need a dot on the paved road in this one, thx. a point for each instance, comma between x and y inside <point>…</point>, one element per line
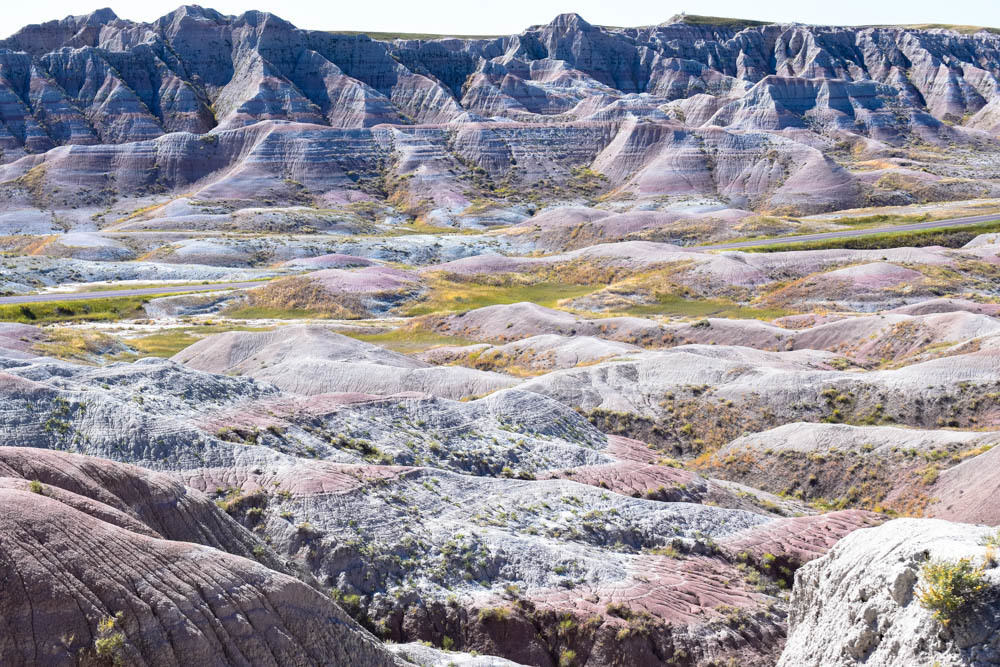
<point>854,233</point>
<point>166,289</point>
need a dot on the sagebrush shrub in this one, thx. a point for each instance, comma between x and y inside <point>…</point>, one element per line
<point>950,587</point>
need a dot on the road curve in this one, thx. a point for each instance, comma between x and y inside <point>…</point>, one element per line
<point>144,291</point>
<point>853,233</point>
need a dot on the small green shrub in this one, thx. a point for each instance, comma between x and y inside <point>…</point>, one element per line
<point>991,540</point>
<point>950,587</point>
<point>110,641</point>
<point>619,609</point>
<point>494,614</point>
<point>110,647</point>
<point>36,487</point>
<point>929,475</point>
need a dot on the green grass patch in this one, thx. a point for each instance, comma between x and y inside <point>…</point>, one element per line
<point>721,21</point>
<point>678,306</point>
<point>858,222</point>
<point>77,344</point>
<point>448,296</point>
<point>408,341</point>
<point>171,341</point>
<point>164,344</point>
<point>949,237</point>
<point>82,310</point>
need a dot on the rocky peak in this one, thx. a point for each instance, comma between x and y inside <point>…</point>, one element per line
<point>196,12</point>
<point>569,21</point>
<point>196,69</point>
<point>258,19</point>
<point>74,31</point>
<point>97,17</point>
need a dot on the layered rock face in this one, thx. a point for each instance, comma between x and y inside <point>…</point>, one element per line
<point>745,113</point>
<point>333,363</point>
<point>860,604</point>
<point>506,525</point>
<point>553,438</point>
<point>100,78</point>
<point>151,596</point>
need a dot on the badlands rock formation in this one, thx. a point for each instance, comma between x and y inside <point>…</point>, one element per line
<point>310,361</point>
<point>859,604</point>
<point>468,519</point>
<point>479,351</point>
<point>271,117</point>
<point>153,595</point>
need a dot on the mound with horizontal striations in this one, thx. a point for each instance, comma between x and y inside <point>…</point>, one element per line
<point>98,565</point>
<point>87,246</point>
<point>518,321</point>
<point>904,469</point>
<point>242,352</point>
<point>534,354</point>
<point>932,306</point>
<point>314,360</point>
<point>723,391</point>
<point>967,491</point>
<point>798,540</point>
<point>19,339</point>
<point>895,337</point>
<point>331,261</point>
<point>511,322</point>
<point>129,497</point>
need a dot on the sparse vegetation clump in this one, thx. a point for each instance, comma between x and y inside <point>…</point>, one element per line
<point>83,310</point>
<point>109,644</point>
<point>496,614</point>
<point>448,294</point>
<point>297,297</point>
<point>951,588</point>
<point>408,340</point>
<point>79,345</point>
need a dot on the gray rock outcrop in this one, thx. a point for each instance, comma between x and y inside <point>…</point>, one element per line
<point>859,604</point>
